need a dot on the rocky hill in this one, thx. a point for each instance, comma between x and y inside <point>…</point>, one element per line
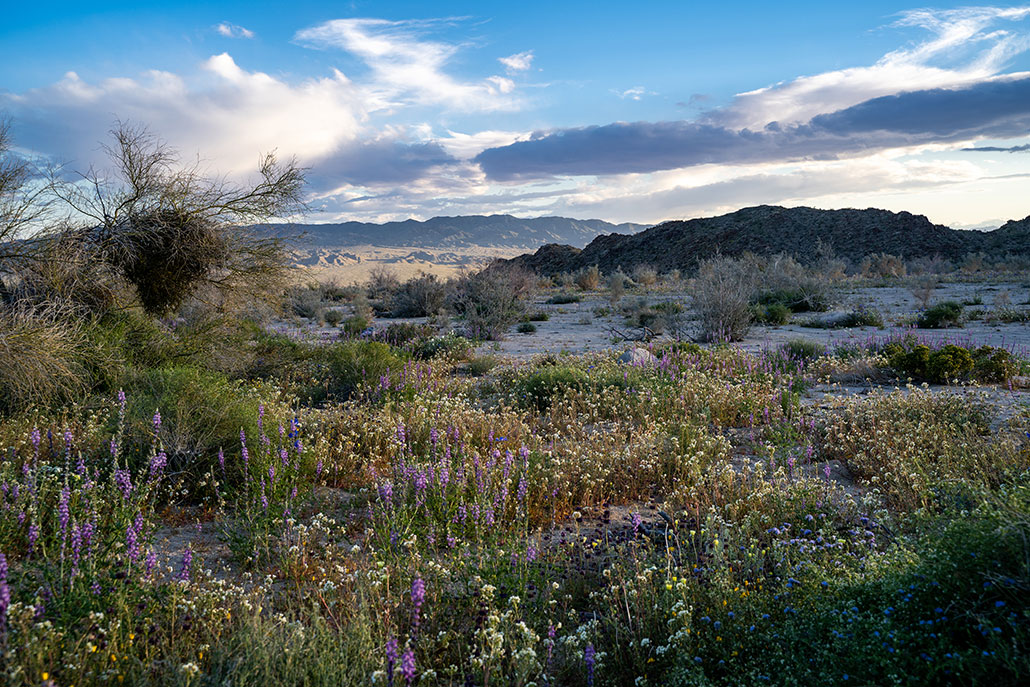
<point>768,230</point>
<point>487,231</point>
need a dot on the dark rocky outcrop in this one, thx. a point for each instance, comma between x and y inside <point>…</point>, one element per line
<point>768,230</point>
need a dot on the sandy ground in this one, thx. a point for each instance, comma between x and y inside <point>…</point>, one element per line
<point>575,328</point>
<point>353,264</point>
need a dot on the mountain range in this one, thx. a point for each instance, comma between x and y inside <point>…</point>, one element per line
<point>767,229</point>
<point>486,231</point>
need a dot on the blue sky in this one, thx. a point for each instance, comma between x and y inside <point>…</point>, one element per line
<point>639,112</point>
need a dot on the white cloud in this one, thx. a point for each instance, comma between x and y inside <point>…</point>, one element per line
<point>635,93</point>
<point>519,62</point>
<point>965,47</point>
<point>233,31</point>
<point>408,69</point>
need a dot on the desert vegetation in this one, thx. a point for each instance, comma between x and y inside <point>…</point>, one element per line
<point>218,472</point>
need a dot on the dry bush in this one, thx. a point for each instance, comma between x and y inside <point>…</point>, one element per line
<point>168,230</point>
<point>934,265</point>
<point>721,296</point>
<point>421,296</point>
<point>382,283</point>
<point>564,279</point>
<point>973,263</point>
<point>645,275</point>
<point>882,265</point>
<point>492,300</point>
<point>588,278</point>
<point>923,289</point>
<point>65,268</point>
<point>616,288</point>
<point>40,353</point>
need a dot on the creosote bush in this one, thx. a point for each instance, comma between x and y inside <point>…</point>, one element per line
<point>940,316</point>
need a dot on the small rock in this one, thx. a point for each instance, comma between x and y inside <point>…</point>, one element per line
<point>638,357</point>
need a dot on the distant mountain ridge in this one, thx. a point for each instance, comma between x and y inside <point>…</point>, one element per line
<point>492,231</point>
<point>769,229</point>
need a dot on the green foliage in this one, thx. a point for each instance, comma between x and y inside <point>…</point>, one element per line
<point>940,316</point>
<point>774,314</point>
<point>481,364</point>
<point>950,362</point>
<point>201,412</point>
<point>564,298</point>
<point>333,317</point>
<point>450,345</point>
<point>526,328</point>
<point>794,299</point>
<point>356,324</point>
<point>538,316</point>
<point>803,349</point>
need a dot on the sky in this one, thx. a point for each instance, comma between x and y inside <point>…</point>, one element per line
<point>639,112</point>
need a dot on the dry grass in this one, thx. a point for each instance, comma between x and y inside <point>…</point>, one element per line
<point>40,350</point>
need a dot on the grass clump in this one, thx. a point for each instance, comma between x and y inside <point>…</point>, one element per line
<point>526,328</point>
<point>564,298</point>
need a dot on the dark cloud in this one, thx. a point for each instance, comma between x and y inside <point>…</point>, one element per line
<point>998,108</point>
<point>998,149</point>
<point>381,161</point>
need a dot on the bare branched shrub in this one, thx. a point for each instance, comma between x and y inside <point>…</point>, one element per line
<point>616,288</point>
<point>922,289</point>
<point>492,300</point>
<point>882,265</point>
<point>21,202</point>
<point>721,296</point>
<point>564,279</point>
<point>40,353</point>
<point>421,296</point>
<point>588,278</point>
<point>973,263</point>
<point>933,265</point>
<point>167,229</point>
<point>382,283</point>
<point>645,275</point>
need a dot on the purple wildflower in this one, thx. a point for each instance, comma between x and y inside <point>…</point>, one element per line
<point>418,596</point>
<point>391,659</point>
<point>187,559</point>
<point>408,665</point>
<point>589,658</point>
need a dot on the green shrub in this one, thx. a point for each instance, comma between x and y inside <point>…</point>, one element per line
<point>201,412</point>
<point>861,318</point>
<point>401,333</point>
<point>492,300</point>
<point>984,364</point>
<point>774,314</point>
<point>527,328</point>
<point>481,364</point>
<point>795,300</point>
<point>420,296</point>
<point>540,387</point>
<point>538,316</point>
<point>356,324</point>
<point>564,298</point>
<point>333,317</point>
<point>448,345</point>
<point>940,316</point>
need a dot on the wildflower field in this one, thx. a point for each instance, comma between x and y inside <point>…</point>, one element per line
<point>358,512</point>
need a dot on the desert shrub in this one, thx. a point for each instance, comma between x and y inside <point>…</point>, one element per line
<point>645,275</point>
<point>564,298</point>
<point>526,328</point>
<point>721,295</point>
<point>492,300</point>
<point>920,362</point>
<point>992,364</point>
<point>940,316</point>
<point>402,333</point>
<point>1010,315</point>
<point>616,288</point>
<point>67,269</point>
<point>356,324</point>
<point>922,289</point>
<point>167,230</point>
<point>539,388</point>
<point>538,316</point>
<point>421,296</point>
<point>382,284</point>
<point>200,412</point>
<point>856,318</point>
<point>333,317</point>
<point>481,364</point>
<point>774,314</point>
<point>449,345</point>
<point>882,265</point>
<point>796,300</point>
<point>588,278</point>
<point>41,356</point>
<point>306,302</point>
